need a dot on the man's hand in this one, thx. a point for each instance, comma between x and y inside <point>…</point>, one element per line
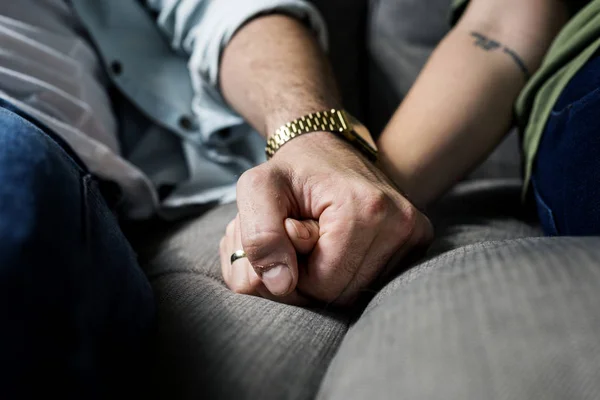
<point>362,222</point>
<point>241,277</point>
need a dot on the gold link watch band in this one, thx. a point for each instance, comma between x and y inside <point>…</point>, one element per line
<point>335,121</point>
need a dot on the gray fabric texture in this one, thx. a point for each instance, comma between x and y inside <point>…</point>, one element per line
<point>219,345</point>
<point>513,319</point>
<point>227,346</point>
<point>481,210</point>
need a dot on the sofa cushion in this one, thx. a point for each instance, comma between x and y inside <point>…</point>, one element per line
<point>222,345</point>
<point>515,319</point>
<point>212,343</point>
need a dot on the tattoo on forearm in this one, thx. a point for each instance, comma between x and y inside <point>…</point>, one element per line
<point>491,45</point>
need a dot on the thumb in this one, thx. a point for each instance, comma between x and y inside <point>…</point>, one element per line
<point>303,234</point>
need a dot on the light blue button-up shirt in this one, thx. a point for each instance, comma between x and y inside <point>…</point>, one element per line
<point>164,57</point>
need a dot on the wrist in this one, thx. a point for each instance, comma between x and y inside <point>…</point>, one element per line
<point>276,119</point>
<point>397,165</point>
<point>338,122</point>
<point>314,143</point>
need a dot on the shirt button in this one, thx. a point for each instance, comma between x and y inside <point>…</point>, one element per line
<point>116,68</point>
<point>187,123</point>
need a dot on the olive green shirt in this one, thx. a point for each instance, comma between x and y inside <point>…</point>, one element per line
<point>573,47</point>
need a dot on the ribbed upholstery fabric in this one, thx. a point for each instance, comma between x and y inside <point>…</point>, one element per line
<point>214,344</point>
<point>514,319</point>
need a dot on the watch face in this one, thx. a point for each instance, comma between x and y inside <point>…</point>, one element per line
<point>361,131</point>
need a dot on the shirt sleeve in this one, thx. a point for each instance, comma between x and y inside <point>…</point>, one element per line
<point>203,28</point>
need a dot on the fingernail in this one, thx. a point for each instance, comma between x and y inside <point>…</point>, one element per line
<point>277,279</point>
<point>301,230</point>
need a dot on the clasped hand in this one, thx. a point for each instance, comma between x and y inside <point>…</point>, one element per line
<point>317,222</point>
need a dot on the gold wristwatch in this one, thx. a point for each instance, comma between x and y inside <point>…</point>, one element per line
<point>336,121</point>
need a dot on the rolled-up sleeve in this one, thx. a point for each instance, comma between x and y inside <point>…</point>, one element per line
<point>203,28</point>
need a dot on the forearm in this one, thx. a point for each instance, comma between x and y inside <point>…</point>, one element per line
<point>461,105</point>
<point>273,71</point>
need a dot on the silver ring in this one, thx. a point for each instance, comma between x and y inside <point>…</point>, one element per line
<point>237,255</point>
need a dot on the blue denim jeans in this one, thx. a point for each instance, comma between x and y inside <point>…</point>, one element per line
<point>566,176</point>
<point>76,310</point>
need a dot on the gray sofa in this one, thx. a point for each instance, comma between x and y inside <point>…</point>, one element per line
<point>493,311</point>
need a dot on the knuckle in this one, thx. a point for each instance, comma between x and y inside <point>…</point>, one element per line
<point>376,205</point>
<point>423,231</point>
<point>402,227</point>
<point>410,216</point>
<point>409,221</point>
<point>255,178</point>
<point>259,245</point>
<point>240,287</point>
<point>239,284</point>
<point>230,228</point>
